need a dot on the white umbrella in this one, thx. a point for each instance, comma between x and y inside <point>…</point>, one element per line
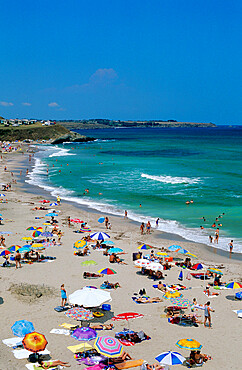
<point>155,266</point>
<point>141,262</point>
<point>89,297</point>
<point>100,236</point>
<point>170,358</point>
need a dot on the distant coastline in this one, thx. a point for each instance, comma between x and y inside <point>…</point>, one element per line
<point>106,123</point>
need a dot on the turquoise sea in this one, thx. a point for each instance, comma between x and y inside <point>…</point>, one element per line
<point>158,168</point>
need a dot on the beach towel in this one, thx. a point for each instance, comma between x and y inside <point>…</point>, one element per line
<point>128,364</point>
<point>68,326</point>
<point>95,367</point>
<point>60,331</point>
<point>23,353</point>
<point>12,342</point>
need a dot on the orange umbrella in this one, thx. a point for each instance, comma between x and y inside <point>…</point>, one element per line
<point>34,342</point>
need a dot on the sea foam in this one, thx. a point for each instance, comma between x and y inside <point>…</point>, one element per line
<point>172,180</point>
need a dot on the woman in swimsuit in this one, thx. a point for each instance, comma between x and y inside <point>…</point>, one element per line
<point>48,364</point>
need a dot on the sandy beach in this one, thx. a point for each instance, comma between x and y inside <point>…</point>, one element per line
<point>222,342</point>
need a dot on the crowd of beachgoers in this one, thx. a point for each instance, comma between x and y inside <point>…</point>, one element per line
<point>99,291</point>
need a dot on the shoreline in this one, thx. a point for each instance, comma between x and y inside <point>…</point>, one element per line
<point>224,256</point>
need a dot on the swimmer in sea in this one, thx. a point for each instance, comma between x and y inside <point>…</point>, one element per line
<point>191,201</point>
<point>187,202</point>
<point>201,227</point>
<point>210,238</point>
<point>214,225</point>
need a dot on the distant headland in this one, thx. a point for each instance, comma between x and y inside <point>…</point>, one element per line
<point>107,123</point>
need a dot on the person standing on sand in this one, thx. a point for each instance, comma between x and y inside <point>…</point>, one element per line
<point>125,214</point>
<point>63,296</point>
<point>148,227</point>
<point>157,222</point>
<point>17,260</point>
<point>106,222</point>
<point>69,221</point>
<point>207,315</point>
<point>142,226</point>
<point>216,236</point>
<point>231,246</point>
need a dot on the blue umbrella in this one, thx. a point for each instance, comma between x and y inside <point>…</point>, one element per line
<point>100,236</point>
<point>182,250</point>
<point>115,250</point>
<point>174,248</point>
<point>22,327</point>
<point>170,358</point>
<point>0,214</point>
<point>24,249</point>
<point>52,214</point>
<point>2,195</point>
<point>53,204</point>
<point>5,232</point>
<point>101,220</point>
<point>109,242</point>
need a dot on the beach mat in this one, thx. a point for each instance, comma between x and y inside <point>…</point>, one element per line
<point>12,342</point>
<point>23,353</point>
<point>60,331</point>
<point>61,309</point>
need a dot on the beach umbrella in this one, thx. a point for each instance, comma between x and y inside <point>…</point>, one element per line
<point>174,248</point>
<point>190,344</point>
<point>53,204</point>
<point>14,248</point>
<point>80,244</point>
<point>22,327</point>
<point>154,266</point>
<point>44,201</point>
<point>2,195</point>
<point>115,250</point>
<point>89,297</point>
<point>37,246</point>
<point>142,262</point>
<point>101,220</point>
<point>85,229</point>
<point>89,263</point>
<point>84,333</point>
<point>36,233</point>
<point>27,238</point>
<point>47,234</point>
<point>215,271</point>
<point>34,342</point>
<point>161,254</point>
<point>24,249</point>
<point>181,302</point>
<point>233,285</point>
<point>197,266</point>
<point>107,271</point>
<point>46,223</point>
<point>51,214</point>
<point>127,316</point>
<point>108,346</point>
<point>191,255</point>
<point>108,242</point>
<point>32,228</point>
<point>76,220</point>
<point>5,253</point>
<point>180,277</point>
<point>182,250</point>
<point>175,294</point>
<point>99,236</point>
<point>144,247</point>
<point>79,314</point>
<point>170,358</point>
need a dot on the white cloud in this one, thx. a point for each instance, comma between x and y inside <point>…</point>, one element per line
<point>6,104</point>
<point>26,104</point>
<point>53,105</point>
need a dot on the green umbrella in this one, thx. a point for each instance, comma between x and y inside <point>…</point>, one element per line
<point>89,263</point>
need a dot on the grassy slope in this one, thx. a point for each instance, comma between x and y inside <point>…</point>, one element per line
<point>32,132</point>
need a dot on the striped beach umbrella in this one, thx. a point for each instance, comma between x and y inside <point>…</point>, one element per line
<point>215,271</point>
<point>127,316</point>
<point>108,346</point>
<point>144,247</point>
<point>5,253</point>
<point>34,342</point>
<point>170,358</point>
<point>14,248</point>
<point>100,236</point>
<point>85,229</point>
<point>107,271</point>
<point>115,250</point>
<point>233,285</point>
<point>190,344</point>
<point>174,248</point>
<point>2,195</point>
<point>37,233</point>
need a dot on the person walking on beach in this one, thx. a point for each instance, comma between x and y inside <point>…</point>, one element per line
<point>125,214</point>
<point>106,222</point>
<point>216,236</point>
<point>17,260</point>
<point>142,226</point>
<point>58,200</point>
<point>207,315</point>
<point>63,296</point>
<point>148,227</point>
<point>69,221</point>
<point>231,246</point>
<point>157,222</point>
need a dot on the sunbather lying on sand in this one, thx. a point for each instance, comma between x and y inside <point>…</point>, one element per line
<point>101,326</point>
<point>125,356</point>
<point>149,300</point>
<point>48,364</point>
<point>112,285</point>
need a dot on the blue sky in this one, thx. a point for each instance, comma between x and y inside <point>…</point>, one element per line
<point>121,59</point>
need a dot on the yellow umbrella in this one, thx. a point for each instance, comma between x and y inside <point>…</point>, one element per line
<point>37,246</point>
<point>27,238</point>
<point>162,254</point>
<point>191,344</point>
<point>80,347</point>
<point>191,255</point>
<point>80,244</point>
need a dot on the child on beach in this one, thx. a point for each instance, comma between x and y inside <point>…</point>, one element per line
<point>63,296</point>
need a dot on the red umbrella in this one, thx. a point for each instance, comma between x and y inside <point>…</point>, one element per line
<point>127,316</point>
<point>34,342</point>
<point>77,220</point>
<point>44,201</point>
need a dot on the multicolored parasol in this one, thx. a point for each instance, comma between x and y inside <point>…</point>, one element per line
<point>233,285</point>
<point>5,253</point>
<point>144,247</point>
<point>79,314</point>
<point>190,344</point>
<point>34,342</point>
<point>84,333</point>
<point>107,271</point>
<point>108,346</point>
<point>14,248</point>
